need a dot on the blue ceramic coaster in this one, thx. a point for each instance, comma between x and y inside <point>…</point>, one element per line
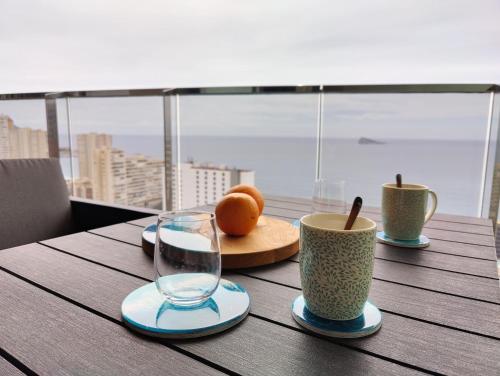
<point>421,242</point>
<point>368,323</point>
<point>146,311</point>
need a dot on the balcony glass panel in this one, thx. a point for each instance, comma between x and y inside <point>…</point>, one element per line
<point>434,139</point>
<point>117,148</point>
<point>266,140</point>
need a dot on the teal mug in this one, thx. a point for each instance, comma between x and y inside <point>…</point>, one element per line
<point>404,210</point>
<point>336,265</point>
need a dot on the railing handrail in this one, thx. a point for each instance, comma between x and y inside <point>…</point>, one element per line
<point>234,90</point>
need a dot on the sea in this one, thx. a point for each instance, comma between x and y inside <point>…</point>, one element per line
<point>287,166</point>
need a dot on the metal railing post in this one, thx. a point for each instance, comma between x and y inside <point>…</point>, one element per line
<point>319,134</point>
<point>177,139</point>
<point>494,200</point>
<point>52,131</point>
<point>484,198</point>
<point>70,144</point>
<point>168,146</point>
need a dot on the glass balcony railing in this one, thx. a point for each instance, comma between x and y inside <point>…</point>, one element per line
<point>180,148</point>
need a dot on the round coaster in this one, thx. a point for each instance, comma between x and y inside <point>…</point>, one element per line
<point>146,311</point>
<point>368,323</point>
<point>422,242</point>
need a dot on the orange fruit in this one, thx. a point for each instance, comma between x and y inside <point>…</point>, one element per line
<point>252,191</point>
<point>237,214</point>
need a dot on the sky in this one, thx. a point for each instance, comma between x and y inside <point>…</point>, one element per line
<point>85,45</point>
<point>53,45</point>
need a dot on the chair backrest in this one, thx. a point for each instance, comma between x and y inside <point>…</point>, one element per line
<point>34,201</point>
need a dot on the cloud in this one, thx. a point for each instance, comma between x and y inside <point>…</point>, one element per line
<point>75,45</point>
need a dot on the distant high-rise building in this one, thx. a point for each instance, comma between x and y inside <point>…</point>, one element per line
<point>111,175</point>
<point>145,181</point>
<point>115,177</point>
<point>201,184</point>
<point>17,142</point>
<point>88,146</point>
<point>6,126</point>
<point>81,187</point>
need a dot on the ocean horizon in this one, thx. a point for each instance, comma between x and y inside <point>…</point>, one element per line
<point>287,165</point>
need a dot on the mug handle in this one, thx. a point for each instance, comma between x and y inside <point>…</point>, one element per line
<point>430,213</point>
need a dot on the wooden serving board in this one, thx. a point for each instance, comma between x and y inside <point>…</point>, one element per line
<point>272,240</point>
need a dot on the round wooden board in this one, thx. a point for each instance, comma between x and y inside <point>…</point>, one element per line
<point>272,240</point>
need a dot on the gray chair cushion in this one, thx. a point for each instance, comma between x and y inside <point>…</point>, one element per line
<point>34,201</point>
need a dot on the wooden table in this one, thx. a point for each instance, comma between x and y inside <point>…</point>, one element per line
<point>60,310</point>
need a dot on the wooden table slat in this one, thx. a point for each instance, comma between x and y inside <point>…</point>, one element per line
<point>461,249</point>
<point>437,216</point>
<point>7,369</point>
<point>455,236</point>
<point>124,232</point>
<point>144,221</point>
<point>255,347</point>
<point>47,334</point>
<point>447,226</point>
<point>484,268</point>
<point>121,256</point>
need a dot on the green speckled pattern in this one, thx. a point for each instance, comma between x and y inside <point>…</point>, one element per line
<point>403,212</point>
<point>336,270</point>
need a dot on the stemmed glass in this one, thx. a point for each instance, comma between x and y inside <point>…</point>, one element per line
<point>329,196</point>
<point>187,257</point>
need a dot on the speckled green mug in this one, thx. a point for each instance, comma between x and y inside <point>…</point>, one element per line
<point>404,210</point>
<point>336,266</point>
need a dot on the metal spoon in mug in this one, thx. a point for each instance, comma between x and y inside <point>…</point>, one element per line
<point>399,181</point>
<point>356,207</point>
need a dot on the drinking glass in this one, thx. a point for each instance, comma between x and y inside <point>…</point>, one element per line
<point>187,257</point>
<point>329,196</point>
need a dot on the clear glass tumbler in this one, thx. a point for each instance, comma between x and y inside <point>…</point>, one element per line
<point>187,257</point>
<point>329,196</point>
